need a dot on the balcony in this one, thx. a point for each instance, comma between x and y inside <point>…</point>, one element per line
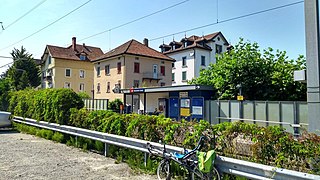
<point>151,76</point>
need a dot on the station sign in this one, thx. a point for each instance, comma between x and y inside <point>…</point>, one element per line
<point>136,90</point>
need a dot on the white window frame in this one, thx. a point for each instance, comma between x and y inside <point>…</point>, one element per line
<point>67,83</point>
<point>81,90</point>
<point>65,72</point>
<point>84,73</point>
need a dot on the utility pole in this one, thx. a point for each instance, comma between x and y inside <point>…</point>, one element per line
<point>313,63</point>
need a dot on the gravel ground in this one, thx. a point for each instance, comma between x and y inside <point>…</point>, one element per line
<point>24,156</point>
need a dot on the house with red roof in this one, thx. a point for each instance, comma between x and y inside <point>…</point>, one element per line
<point>69,67</point>
<point>193,54</point>
<point>130,65</point>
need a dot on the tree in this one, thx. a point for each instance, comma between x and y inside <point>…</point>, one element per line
<point>24,72</point>
<point>4,94</point>
<point>261,76</point>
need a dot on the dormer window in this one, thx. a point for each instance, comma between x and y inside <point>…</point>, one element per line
<point>83,57</point>
<point>173,47</point>
<point>185,43</point>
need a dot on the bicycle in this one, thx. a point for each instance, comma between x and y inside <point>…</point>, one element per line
<point>188,160</point>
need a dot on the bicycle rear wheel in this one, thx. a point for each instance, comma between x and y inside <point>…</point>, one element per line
<point>163,171</point>
<point>212,175</point>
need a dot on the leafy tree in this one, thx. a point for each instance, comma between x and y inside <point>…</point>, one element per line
<point>4,94</point>
<point>261,76</point>
<point>24,72</point>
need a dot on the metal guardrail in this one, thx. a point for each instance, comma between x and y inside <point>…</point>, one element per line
<point>224,164</point>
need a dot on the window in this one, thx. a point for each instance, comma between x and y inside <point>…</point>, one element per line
<point>49,59</point>
<point>172,76</point>
<point>119,67</point>
<point>136,67</point>
<point>108,87</point>
<point>98,88</point>
<point>68,72</point>
<point>203,60</point>
<point>218,49</point>
<point>184,61</point>
<point>67,85</point>
<point>162,84</point>
<point>81,73</point>
<point>162,70</point>
<point>83,57</point>
<point>162,62</point>
<point>107,70</point>
<point>172,65</point>
<point>81,88</point>
<point>98,71</point>
<point>136,58</point>
<point>184,75</point>
<point>135,83</point>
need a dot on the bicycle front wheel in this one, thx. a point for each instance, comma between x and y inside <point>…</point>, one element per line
<point>212,175</point>
<point>163,171</point>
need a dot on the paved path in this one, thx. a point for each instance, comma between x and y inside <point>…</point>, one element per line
<point>24,156</point>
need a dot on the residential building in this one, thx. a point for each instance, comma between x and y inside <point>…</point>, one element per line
<point>69,67</point>
<point>193,54</point>
<point>130,65</point>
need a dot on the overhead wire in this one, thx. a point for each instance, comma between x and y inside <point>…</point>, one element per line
<point>135,20</point>
<point>32,9</point>
<point>47,25</point>
<point>227,20</point>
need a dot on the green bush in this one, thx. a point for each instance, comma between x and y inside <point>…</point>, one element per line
<point>51,105</point>
<point>115,105</point>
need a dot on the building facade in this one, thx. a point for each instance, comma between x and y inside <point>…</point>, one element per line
<point>130,65</point>
<point>69,67</point>
<point>193,54</point>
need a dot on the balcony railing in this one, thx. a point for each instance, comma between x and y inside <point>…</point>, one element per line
<point>151,76</point>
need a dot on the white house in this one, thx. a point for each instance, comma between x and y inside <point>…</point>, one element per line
<point>193,54</point>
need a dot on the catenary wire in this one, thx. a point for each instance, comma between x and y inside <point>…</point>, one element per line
<point>230,19</point>
<point>135,20</point>
<point>15,21</point>
<point>47,25</point>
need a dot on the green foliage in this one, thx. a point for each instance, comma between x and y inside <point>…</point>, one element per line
<point>266,75</point>
<point>23,73</point>
<point>83,95</point>
<point>51,105</point>
<point>115,105</point>
<point>4,94</point>
<point>270,145</point>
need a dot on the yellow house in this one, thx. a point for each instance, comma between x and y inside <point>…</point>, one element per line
<point>131,64</point>
<point>69,67</point>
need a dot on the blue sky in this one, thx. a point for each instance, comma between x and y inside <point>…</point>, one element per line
<point>282,29</point>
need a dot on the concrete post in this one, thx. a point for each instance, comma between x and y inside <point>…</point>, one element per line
<point>313,63</point>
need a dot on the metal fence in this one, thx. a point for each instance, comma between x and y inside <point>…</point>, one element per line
<point>96,104</point>
<point>292,115</point>
<point>224,164</point>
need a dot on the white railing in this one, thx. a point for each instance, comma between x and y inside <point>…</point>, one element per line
<point>224,164</point>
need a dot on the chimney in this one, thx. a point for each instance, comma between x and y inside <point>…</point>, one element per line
<point>146,42</point>
<point>74,43</point>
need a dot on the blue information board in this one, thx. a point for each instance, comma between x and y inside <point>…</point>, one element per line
<point>197,108</point>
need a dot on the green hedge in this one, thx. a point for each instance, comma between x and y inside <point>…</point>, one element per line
<point>267,145</point>
<point>51,105</point>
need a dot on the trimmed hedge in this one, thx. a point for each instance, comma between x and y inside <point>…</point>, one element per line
<point>51,105</point>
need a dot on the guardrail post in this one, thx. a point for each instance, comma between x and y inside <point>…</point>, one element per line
<point>76,141</point>
<point>145,159</point>
<point>106,149</point>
